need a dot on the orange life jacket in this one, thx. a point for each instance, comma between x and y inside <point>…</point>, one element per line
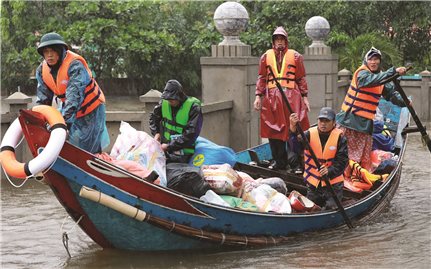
<point>325,157</point>
<point>285,76</point>
<point>362,101</point>
<point>93,94</point>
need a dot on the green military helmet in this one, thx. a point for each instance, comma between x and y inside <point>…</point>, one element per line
<point>50,39</point>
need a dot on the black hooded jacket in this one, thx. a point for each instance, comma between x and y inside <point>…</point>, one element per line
<point>173,91</point>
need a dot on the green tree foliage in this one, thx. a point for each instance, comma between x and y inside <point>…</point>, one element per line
<point>355,27</point>
<point>411,23</point>
<point>159,40</point>
<point>19,26</point>
<point>150,40</point>
<point>353,50</point>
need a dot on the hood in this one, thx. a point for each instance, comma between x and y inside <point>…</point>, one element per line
<point>280,31</point>
<point>173,91</point>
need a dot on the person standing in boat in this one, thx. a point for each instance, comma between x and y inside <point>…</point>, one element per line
<point>288,67</point>
<point>176,123</point>
<point>330,147</point>
<point>65,75</point>
<point>360,104</point>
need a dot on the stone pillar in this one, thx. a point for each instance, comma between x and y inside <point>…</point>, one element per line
<point>425,96</point>
<point>344,79</point>
<point>321,67</point>
<point>150,100</point>
<point>344,75</point>
<point>18,101</point>
<point>230,74</point>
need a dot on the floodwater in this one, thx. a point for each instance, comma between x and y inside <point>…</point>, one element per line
<point>33,222</point>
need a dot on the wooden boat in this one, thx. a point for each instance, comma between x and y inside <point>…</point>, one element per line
<point>118,209</point>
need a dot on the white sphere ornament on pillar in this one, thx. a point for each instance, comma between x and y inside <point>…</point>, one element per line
<point>317,28</point>
<point>231,19</point>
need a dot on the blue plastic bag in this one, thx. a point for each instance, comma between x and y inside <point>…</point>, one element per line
<point>207,152</point>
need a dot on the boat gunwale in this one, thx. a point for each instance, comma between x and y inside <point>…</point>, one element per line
<point>193,200</point>
<point>190,199</point>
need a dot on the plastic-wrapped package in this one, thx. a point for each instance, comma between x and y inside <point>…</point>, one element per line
<point>213,198</point>
<point>245,177</point>
<point>140,147</point>
<point>131,166</point>
<point>275,182</point>
<point>239,203</point>
<point>222,179</point>
<point>268,199</point>
<point>386,166</point>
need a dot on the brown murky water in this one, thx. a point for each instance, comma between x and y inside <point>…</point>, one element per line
<point>32,224</point>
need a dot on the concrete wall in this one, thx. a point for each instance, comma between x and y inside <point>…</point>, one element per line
<point>217,121</point>
<point>230,74</point>
<point>420,91</point>
<point>110,86</point>
<point>216,127</point>
<point>321,68</point>
<point>216,118</point>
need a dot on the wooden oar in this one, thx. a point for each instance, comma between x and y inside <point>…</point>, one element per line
<point>394,76</point>
<point>421,128</point>
<point>313,155</point>
<point>406,100</point>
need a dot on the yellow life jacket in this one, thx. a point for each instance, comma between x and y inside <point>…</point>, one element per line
<point>325,157</point>
<point>286,76</point>
<point>93,94</point>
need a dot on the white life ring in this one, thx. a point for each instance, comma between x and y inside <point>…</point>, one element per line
<point>49,154</point>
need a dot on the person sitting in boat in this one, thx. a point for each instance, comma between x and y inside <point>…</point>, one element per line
<point>360,104</point>
<point>66,75</point>
<point>330,148</point>
<point>176,123</point>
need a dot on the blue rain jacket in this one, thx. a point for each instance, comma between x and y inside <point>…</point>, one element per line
<point>88,132</point>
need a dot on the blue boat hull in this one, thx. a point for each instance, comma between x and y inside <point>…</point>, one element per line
<point>126,233</point>
<point>173,220</point>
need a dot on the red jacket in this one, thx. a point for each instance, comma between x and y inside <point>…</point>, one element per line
<point>274,121</point>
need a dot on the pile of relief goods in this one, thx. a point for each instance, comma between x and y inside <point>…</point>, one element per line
<point>209,175</point>
<point>137,152</point>
<point>237,189</point>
